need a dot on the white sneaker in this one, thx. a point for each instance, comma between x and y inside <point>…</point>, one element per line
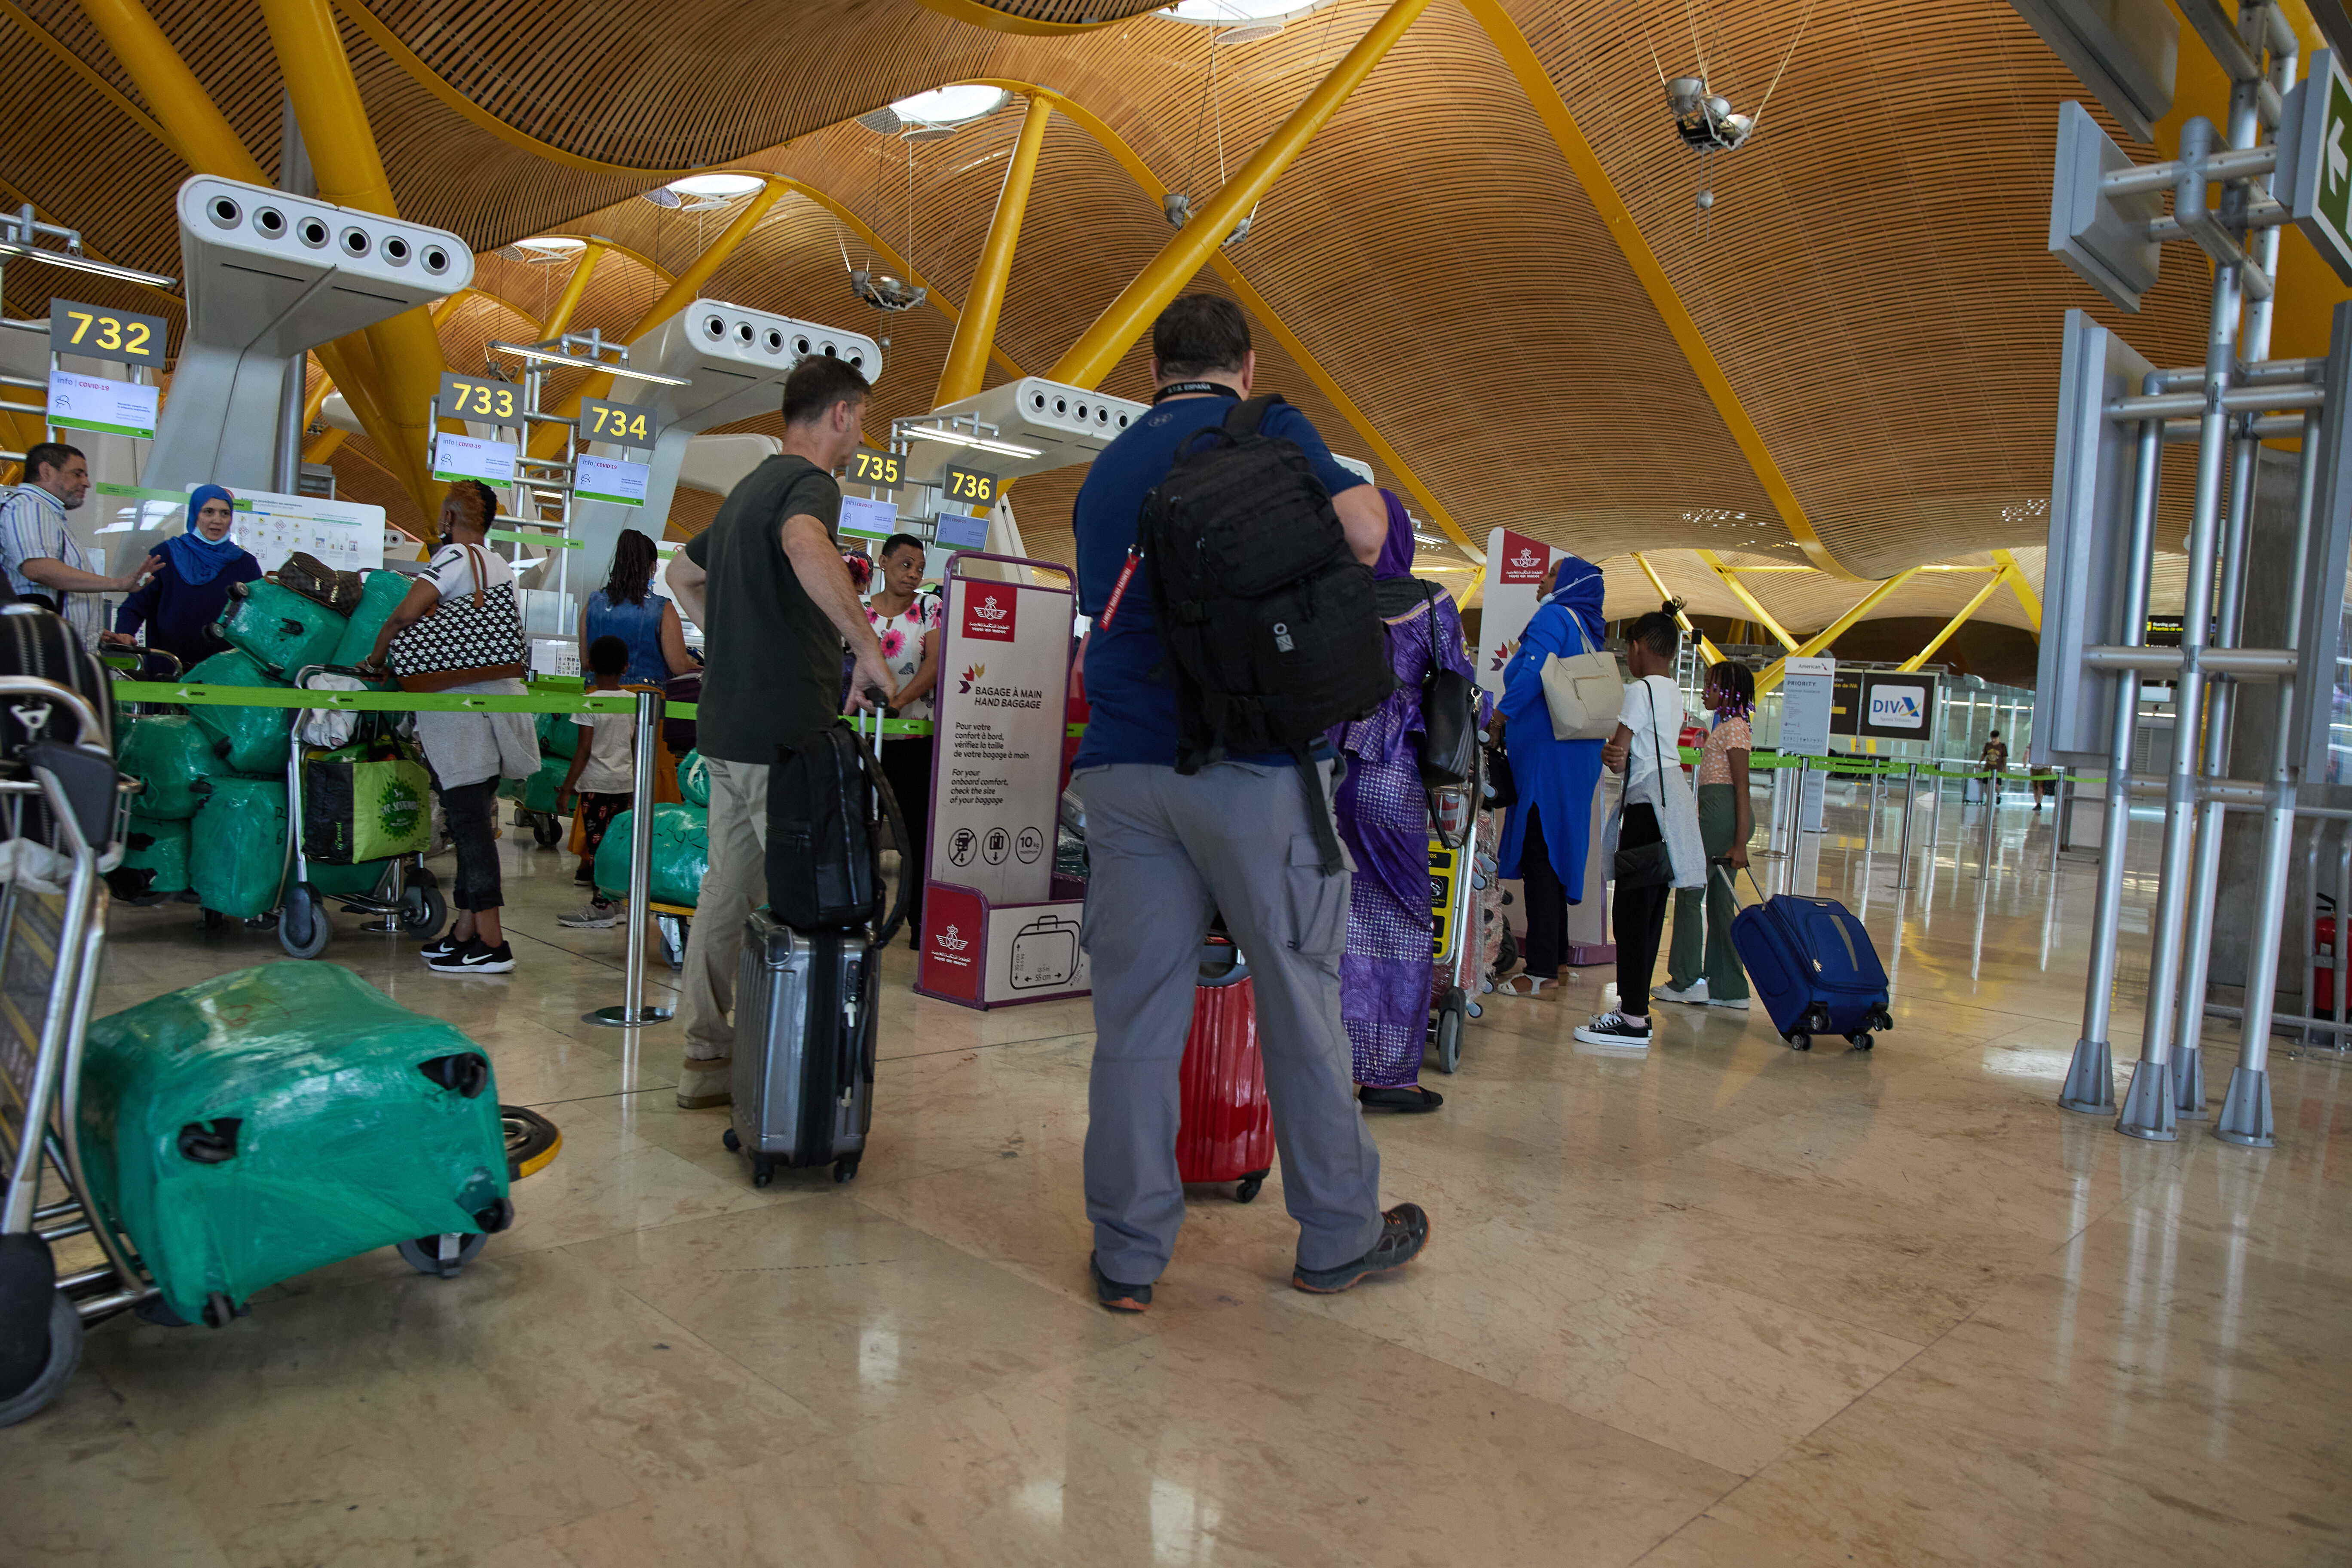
<point>1738,1003</point>
<point>1615,1030</point>
<point>591,917</point>
<point>1695,993</point>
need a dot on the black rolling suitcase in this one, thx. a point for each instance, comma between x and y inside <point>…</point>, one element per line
<point>802,1090</point>
<point>34,641</point>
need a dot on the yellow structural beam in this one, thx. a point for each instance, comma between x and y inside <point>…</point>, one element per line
<point>575,287</point>
<point>1834,630</point>
<point>2014,576</point>
<point>1552,109</point>
<point>1103,344</point>
<point>1991,585</point>
<point>680,293</point>
<point>966,368</point>
<point>325,446</point>
<point>1707,650</point>
<point>1730,575</point>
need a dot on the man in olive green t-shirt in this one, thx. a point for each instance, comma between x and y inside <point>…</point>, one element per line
<point>766,583</point>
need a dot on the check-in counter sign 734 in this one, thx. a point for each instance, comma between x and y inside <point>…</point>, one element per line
<point>622,424</point>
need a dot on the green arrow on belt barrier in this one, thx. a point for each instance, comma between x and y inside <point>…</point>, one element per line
<point>516,536</point>
<point>1767,761</point>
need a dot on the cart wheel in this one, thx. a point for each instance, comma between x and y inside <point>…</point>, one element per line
<point>424,1254</point>
<point>302,928</point>
<point>532,1141</point>
<point>1250,1188</point>
<point>1859,1039</point>
<point>422,908</point>
<point>1799,1040</point>
<point>65,1354</point>
<point>844,1169</point>
<point>547,828</point>
<point>764,1170</point>
<point>1473,1009</point>
<point>734,1144</point>
<point>220,1312</point>
<point>1449,1035</point>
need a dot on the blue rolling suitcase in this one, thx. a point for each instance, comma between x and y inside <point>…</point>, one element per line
<point>1815,966</point>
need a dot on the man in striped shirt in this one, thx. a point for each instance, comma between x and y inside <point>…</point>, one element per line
<point>37,548</point>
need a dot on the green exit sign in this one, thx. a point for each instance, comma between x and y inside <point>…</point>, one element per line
<point>2315,173</point>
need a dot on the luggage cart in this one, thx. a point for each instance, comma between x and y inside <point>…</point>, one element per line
<point>1456,880</point>
<point>405,898</point>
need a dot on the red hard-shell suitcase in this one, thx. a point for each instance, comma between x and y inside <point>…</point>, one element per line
<point>1228,1125</point>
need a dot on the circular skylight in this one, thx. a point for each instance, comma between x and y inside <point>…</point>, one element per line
<point>946,106</point>
<point>1235,13</point>
<point>545,247</point>
<point>723,186</point>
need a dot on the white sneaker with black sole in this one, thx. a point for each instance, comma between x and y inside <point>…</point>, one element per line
<point>1695,993</point>
<point>1615,1030</point>
<point>477,957</point>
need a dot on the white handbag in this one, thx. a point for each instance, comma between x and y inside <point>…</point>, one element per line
<point>1584,693</point>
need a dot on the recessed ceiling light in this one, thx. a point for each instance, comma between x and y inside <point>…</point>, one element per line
<point>545,247</point>
<point>943,107</point>
<point>1251,19</point>
<point>722,185</point>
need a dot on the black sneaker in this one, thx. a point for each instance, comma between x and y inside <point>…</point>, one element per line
<point>1405,1231</point>
<point>440,947</point>
<point>1118,1298</point>
<point>476,957</point>
<point>1615,1030</point>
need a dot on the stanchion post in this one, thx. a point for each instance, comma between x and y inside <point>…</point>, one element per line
<point>633,1011</point>
<point>1910,798</point>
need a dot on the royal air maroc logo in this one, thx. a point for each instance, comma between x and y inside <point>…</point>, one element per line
<point>953,940</point>
<point>972,676</point>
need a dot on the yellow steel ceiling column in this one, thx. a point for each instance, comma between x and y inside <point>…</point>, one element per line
<point>2014,576</point>
<point>1114,331</point>
<point>1834,630</point>
<point>1712,653</point>
<point>350,171</point>
<point>573,287</point>
<point>676,298</point>
<point>201,136</point>
<point>1993,580</point>
<point>320,450</point>
<point>1731,576</point>
<point>967,362</point>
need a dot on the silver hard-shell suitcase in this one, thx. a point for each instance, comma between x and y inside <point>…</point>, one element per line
<point>803,1081</point>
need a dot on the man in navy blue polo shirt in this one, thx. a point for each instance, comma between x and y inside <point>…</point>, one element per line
<point>1168,850</point>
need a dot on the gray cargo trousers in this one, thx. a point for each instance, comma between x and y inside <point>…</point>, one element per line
<point>1165,852</point>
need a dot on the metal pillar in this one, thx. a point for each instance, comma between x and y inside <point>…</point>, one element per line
<point>2246,1109</point>
<point>633,1010</point>
<point>2090,1086</point>
<point>2149,1110</point>
<point>1910,797</point>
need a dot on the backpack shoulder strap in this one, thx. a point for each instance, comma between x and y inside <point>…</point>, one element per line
<point>1248,417</point>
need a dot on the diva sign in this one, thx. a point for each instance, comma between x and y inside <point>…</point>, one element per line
<point>996,927</point>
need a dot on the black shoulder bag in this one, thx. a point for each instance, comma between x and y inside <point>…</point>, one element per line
<point>1646,864</point>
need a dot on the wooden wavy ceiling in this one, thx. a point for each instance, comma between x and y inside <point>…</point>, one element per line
<point>1872,276</point>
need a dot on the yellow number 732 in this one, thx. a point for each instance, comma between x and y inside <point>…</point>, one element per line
<point>127,337</point>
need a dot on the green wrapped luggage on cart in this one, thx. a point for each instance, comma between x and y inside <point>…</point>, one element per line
<point>173,757</point>
<point>250,740</point>
<point>236,854</point>
<point>275,1120</point>
<point>154,860</point>
<point>681,854</point>
<point>380,595</point>
<point>278,627</point>
<point>694,779</point>
<point>558,737</point>
<point>534,798</point>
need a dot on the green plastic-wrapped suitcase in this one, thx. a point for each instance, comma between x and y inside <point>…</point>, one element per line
<point>173,757</point>
<point>273,1120</point>
<point>538,790</point>
<point>380,595</point>
<point>559,736</point>
<point>154,859</point>
<point>237,848</point>
<point>281,629</point>
<point>366,801</point>
<point>693,780</point>
<point>681,854</point>
<point>250,740</point>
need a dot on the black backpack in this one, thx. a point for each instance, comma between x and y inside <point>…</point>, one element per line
<point>826,799</point>
<point>1268,617</point>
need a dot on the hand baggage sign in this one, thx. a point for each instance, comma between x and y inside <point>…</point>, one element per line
<point>1515,569</point>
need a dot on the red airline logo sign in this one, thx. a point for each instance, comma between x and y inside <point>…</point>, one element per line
<point>989,611</point>
<point>1524,559</point>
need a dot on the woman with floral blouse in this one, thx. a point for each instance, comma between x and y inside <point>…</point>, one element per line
<point>908,622</point>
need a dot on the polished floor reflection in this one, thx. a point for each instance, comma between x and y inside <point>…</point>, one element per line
<point>1717,1304</point>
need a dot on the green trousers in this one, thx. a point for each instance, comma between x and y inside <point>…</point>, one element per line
<point>1702,944</point>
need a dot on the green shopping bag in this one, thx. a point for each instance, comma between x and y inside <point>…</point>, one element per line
<point>366,801</point>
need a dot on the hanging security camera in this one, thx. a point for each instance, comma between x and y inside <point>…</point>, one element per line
<point>885,291</point>
<point>1706,119</point>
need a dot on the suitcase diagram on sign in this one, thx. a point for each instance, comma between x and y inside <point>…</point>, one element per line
<point>1044,954</point>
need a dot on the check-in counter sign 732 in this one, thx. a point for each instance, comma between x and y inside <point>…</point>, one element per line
<point>971,486</point>
<point>95,332</point>
<point>881,471</point>
<point>484,399</point>
<point>622,424</point>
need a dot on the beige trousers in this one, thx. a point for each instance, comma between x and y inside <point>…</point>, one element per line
<point>738,884</point>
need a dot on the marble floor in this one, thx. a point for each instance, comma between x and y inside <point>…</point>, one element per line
<point>1717,1304</point>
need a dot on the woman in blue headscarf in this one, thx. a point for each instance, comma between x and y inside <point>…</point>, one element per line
<point>1544,840</point>
<point>1383,809</point>
<point>190,588</point>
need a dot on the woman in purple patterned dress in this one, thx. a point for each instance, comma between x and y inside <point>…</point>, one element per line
<point>1385,974</point>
